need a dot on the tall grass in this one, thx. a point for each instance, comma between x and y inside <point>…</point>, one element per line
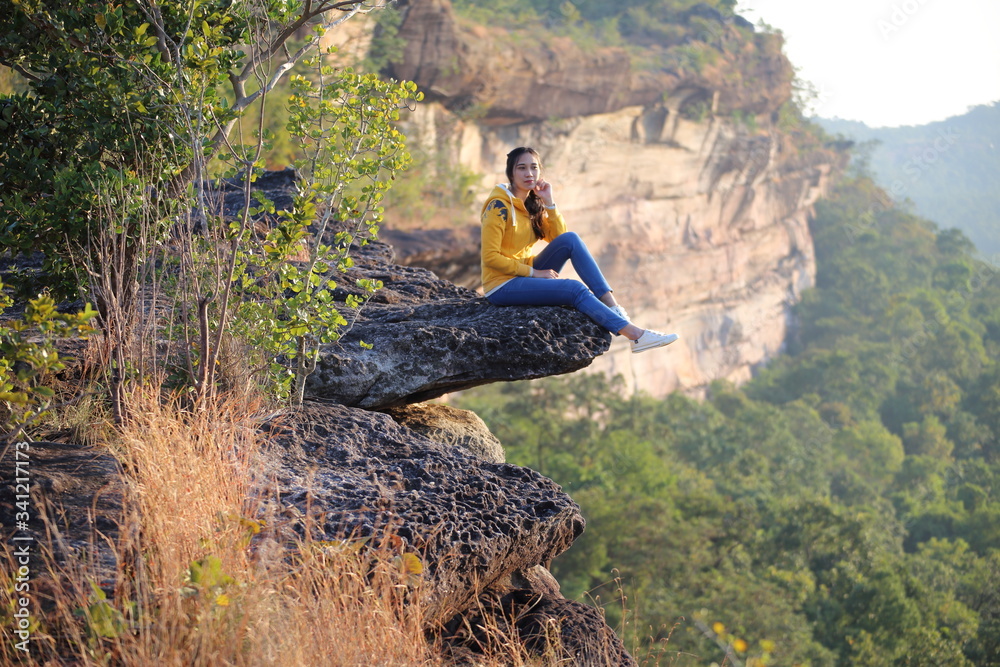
<point>201,581</point>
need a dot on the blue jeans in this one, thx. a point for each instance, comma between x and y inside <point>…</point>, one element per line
<point>521,291</point>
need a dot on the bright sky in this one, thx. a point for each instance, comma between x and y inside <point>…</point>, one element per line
<point>890,62</point>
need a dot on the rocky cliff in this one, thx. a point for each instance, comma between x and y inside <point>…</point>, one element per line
<point>701,225</point>
<point>366,456</point>
<point>692,195</point>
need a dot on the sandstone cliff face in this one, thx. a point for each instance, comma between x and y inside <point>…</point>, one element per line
<point>700,225</point>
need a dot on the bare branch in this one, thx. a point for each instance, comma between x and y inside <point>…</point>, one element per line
<point>31,76</point>
<point>350,8</point>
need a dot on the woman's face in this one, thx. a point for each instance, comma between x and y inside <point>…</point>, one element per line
<point>527,171</point>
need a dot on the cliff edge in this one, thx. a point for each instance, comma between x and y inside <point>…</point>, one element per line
<point>366,457</point>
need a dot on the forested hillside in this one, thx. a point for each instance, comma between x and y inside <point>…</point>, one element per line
<point>947,169</point>
<point>843,508</point>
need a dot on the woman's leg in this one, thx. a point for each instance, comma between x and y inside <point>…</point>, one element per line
<point>557,292</point>
<point>569,246</point>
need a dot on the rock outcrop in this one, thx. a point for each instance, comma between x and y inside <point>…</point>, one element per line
<point>452,427</point>
<point>366,458</point>
<point>543,624</point>
<point>700,221</point>
<point>506,80</point>
<point>473,522</point>
<point>422,352</point>
<point>486,530</point>
<point>425,337</point>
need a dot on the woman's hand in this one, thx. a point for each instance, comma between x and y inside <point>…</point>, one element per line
<point>543,273</point>
<point>544,190</point>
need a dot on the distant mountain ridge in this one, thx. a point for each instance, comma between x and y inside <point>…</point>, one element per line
<point>949,169</point>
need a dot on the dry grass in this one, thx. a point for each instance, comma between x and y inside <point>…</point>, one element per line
<point>200,581</point>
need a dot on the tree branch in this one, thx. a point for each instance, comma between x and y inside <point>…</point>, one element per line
<point>155,17</point>
<point>350,8</point>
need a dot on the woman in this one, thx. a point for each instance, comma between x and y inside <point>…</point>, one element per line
<point>517,215</point>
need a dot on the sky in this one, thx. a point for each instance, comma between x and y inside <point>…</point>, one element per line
<point>889,63</point>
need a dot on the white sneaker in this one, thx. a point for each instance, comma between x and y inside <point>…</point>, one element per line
<point>650,339</point>
<point>618,310</point>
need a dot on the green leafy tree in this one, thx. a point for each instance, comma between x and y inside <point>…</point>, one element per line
<point>134,110</point>
<point>841,508</point>
<point>352,150</point>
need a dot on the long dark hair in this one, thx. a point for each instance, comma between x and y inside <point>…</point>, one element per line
<point>532,203</point>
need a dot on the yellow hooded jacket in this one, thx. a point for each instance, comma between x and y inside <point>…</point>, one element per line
<point>508,239</point>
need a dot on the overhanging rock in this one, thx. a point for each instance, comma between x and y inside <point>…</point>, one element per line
<point>429,337</point>
<point>423,352</point>
<point>343,472</point>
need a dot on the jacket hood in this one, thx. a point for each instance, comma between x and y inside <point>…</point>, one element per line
<point>502,192</point>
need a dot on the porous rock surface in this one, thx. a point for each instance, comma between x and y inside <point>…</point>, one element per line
<point>429,337</point>
<point>485,530</point>
<point>473,522</point>
<point>572,632</point>
<point>423,352</point>
<point>451,426</point>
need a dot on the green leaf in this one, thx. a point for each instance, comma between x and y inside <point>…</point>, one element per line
<point>207,573</point>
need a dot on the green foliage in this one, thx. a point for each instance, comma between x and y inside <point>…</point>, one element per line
<point>844,506</point>
<point>102,619</point>
<point>103,95</point>
<point>206,579</point>
<point>659,34</point>
<point>29,359</point>
<point>133,110</point>
<point>386,46</point>
<point>286,284</point>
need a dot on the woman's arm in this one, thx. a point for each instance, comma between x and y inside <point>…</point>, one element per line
<point>554,224</point>
<point>495,219</point>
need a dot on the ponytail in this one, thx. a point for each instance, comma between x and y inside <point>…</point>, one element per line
<point>536,213</point>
